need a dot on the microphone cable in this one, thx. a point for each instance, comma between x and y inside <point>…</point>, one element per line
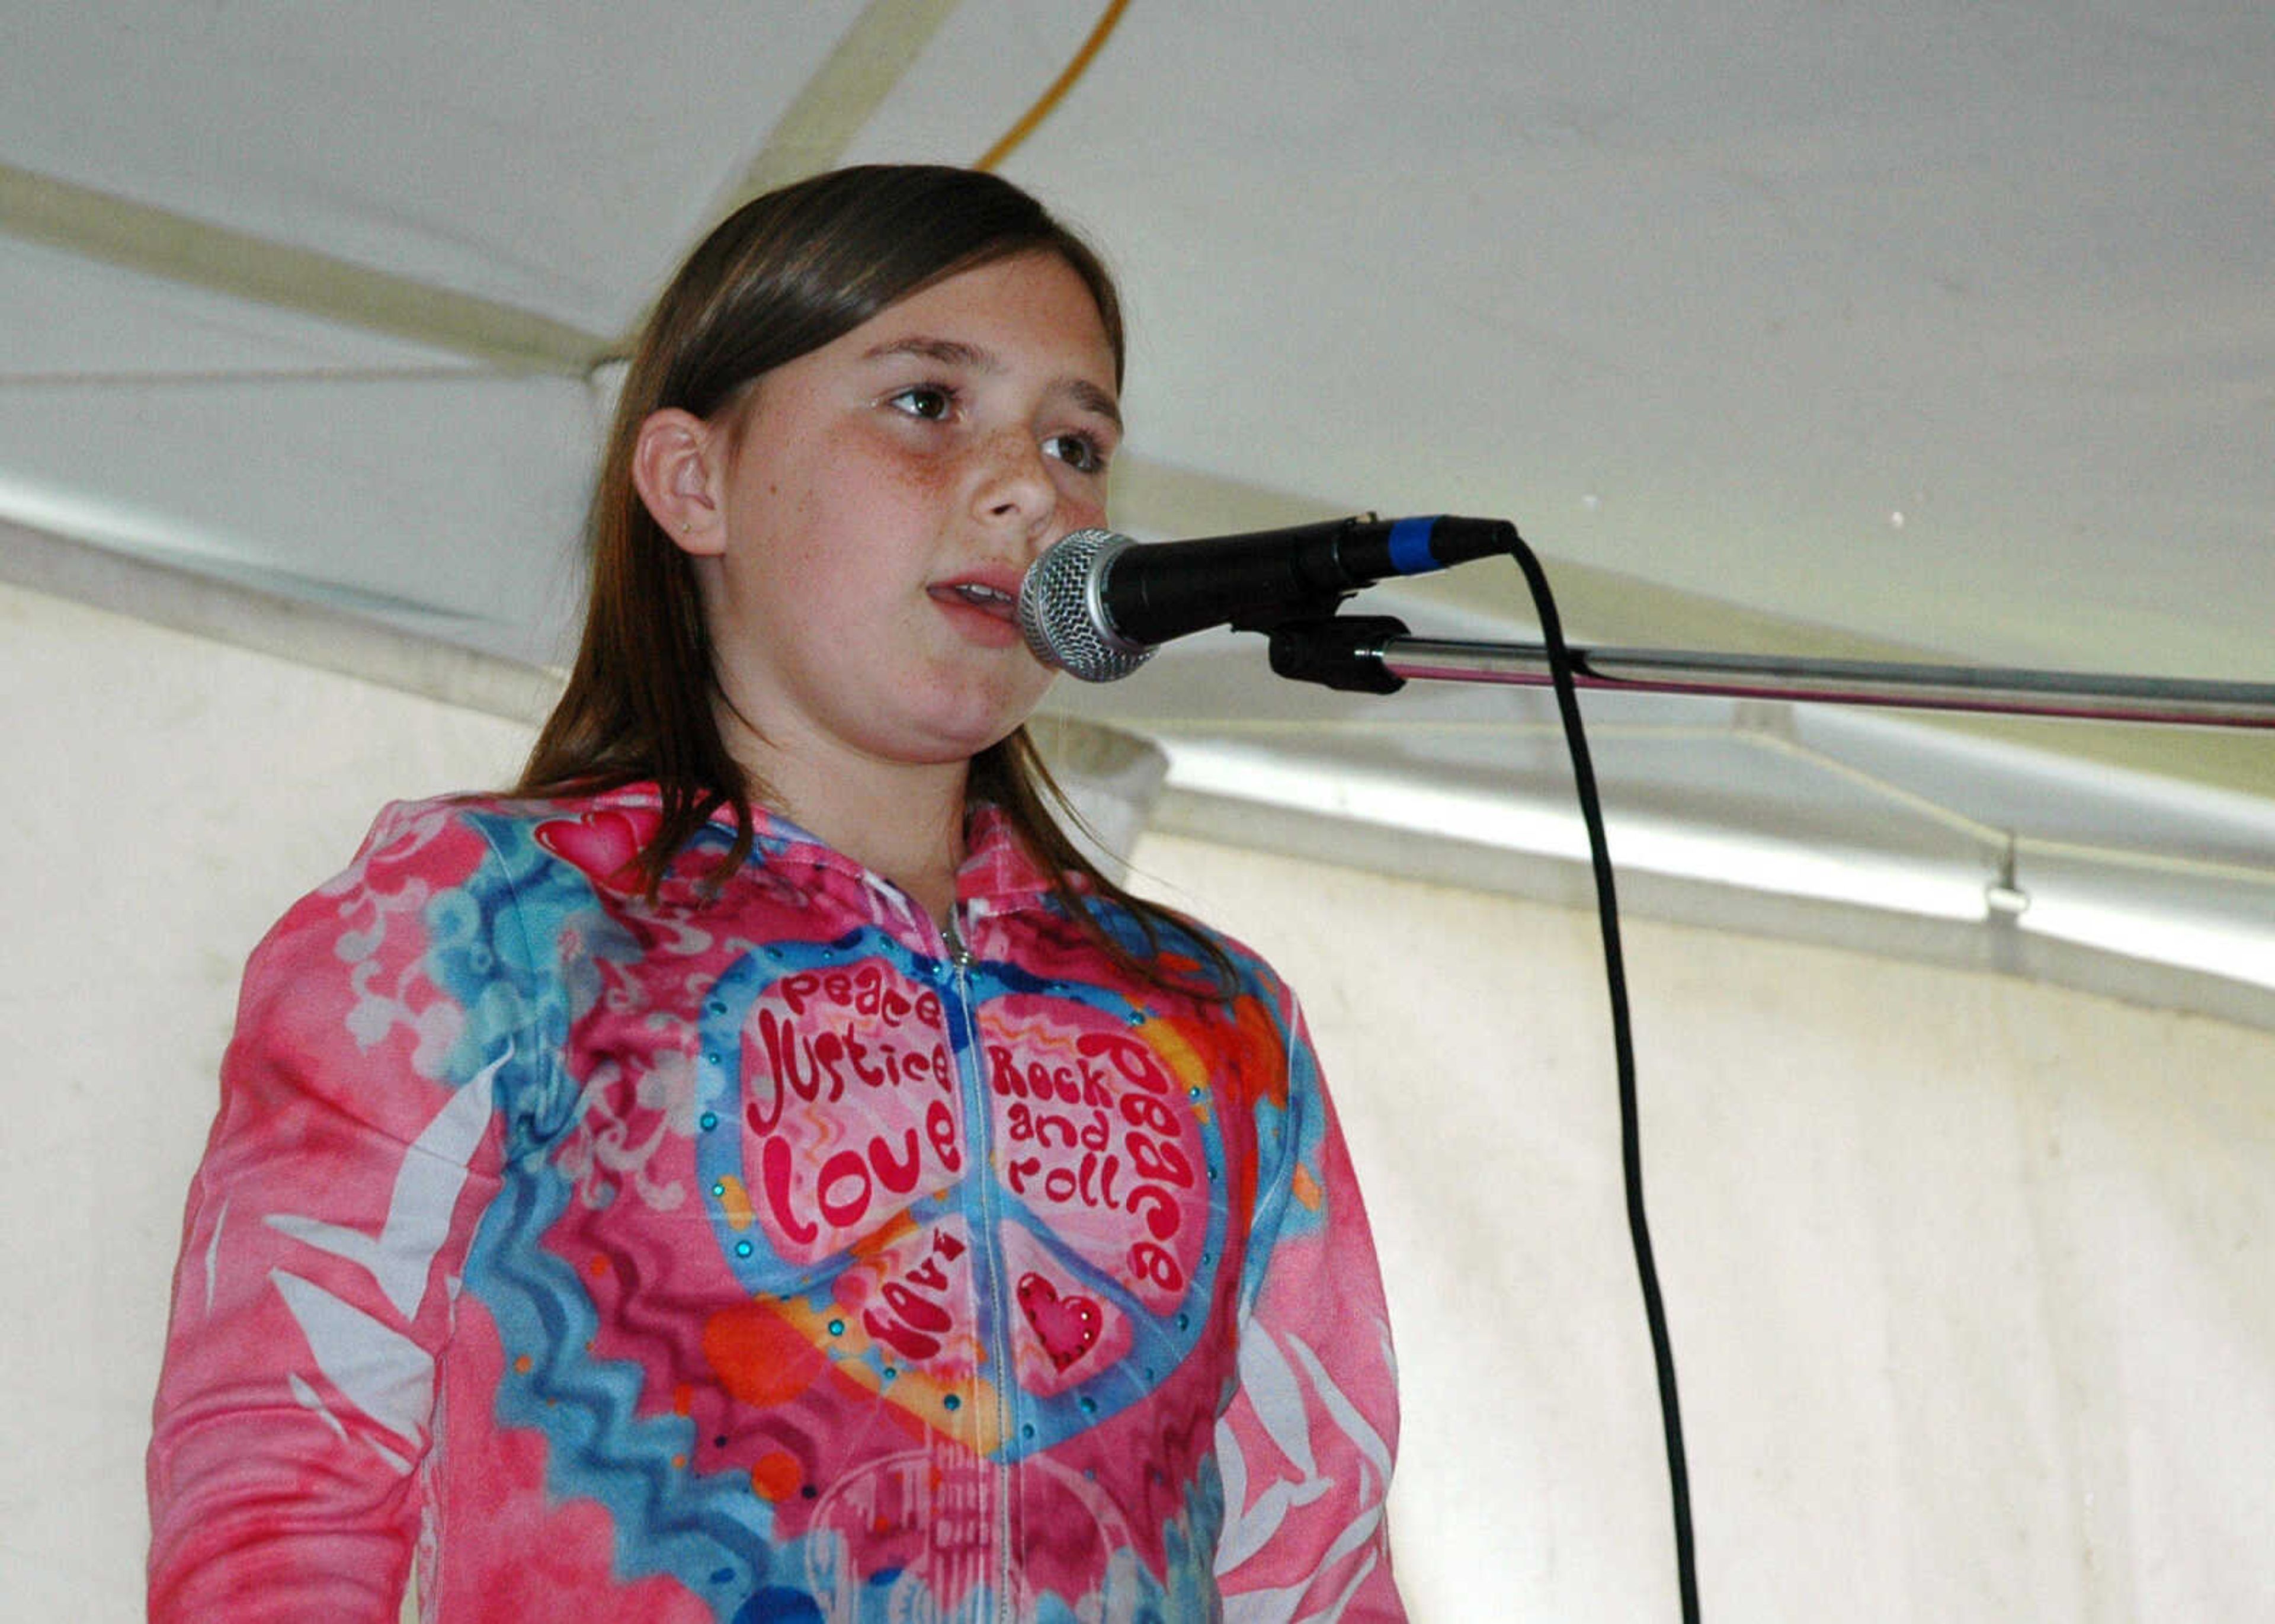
<point>1608,914</point>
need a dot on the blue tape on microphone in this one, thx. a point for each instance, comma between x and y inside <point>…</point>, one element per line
<point>1410,545</point>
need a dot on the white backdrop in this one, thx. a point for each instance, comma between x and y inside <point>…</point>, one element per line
<point>1968,1278</point>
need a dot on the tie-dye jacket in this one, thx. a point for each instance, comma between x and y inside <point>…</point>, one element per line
<point>771,1256</point>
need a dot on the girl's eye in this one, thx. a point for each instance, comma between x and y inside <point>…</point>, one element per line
<point>1079,452</point>
<point>927,401</point>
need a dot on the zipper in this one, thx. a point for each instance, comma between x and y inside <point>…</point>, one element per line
<point>987,1247</point>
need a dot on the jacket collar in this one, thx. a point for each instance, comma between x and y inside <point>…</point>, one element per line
<point>997,873</point>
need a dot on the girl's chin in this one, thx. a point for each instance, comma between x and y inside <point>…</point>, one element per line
<point>1000,706</point>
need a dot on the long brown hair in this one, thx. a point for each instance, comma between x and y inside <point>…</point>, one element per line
<point>784,275</point>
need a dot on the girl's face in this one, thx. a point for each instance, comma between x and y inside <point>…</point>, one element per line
<point>877,502</point>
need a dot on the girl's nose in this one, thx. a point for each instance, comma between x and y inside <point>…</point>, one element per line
<point>1014,485</point>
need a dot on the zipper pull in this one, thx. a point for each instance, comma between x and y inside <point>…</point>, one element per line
<point>958,955</point>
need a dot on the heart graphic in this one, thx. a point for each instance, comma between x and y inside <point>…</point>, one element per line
<point>1068,1326</point>
<point>606,844</point>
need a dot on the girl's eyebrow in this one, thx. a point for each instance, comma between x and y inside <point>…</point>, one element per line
<point>956,352</point>
<point>1090,397</point>
<point>946,351</point>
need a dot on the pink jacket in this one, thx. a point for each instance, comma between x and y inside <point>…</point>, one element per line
<point>763,1257</point>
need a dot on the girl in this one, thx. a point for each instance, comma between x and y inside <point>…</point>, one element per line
<point>759,1169</point>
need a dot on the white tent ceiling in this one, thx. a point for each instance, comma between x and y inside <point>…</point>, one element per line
<point>1937,331</point>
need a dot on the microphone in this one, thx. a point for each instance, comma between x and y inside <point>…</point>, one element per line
<point>1095,604</point>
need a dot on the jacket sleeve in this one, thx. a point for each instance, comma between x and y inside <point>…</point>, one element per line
<point>1306,1446</point>
<point>326,1229</point>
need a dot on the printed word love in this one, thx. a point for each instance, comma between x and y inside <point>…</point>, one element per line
<point>914,1314</point>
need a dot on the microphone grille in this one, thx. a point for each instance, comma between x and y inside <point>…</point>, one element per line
<point>1062,609</point>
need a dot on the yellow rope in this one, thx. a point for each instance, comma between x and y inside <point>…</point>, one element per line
<point>1050,98</point>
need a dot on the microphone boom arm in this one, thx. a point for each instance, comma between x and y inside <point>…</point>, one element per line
<point>1375,653</point>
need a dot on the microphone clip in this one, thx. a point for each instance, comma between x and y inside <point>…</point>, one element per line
<point>1343,651</point>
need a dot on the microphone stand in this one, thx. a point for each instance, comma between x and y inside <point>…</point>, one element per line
<point>1369,653</point>
<point>1375,653</point>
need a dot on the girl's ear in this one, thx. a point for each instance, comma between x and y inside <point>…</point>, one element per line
<point>673,470</point>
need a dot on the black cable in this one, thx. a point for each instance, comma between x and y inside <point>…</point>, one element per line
<point>1345,651</point>
<point>1607,913</point>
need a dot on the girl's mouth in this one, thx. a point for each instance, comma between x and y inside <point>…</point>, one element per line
<point>975,594</point>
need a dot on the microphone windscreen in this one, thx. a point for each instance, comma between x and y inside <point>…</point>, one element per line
<point>1063,608</point>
